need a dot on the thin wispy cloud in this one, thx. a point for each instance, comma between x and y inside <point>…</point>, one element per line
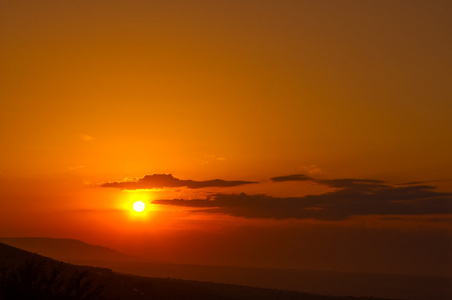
<point>168,181</point>
<point>311,169</point>
<point>86,137</point>
<point>296,177</point>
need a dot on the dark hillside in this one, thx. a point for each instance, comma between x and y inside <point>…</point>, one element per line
<point>25,275</point>
<point>68,250</point>
<point>399,286</point>
<point>13,256</point>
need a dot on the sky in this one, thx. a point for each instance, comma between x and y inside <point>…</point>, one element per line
<point>287,134</point>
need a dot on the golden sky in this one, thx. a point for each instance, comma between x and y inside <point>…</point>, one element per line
<point>96,92</point>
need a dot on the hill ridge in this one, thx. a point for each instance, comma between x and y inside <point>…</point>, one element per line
<point>131,287</point>
<point>68,250</point>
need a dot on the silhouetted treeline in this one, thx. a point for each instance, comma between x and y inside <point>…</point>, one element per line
<point>40,278</point>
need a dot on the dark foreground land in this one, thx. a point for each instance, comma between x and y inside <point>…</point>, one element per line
<point>25,275</point>
<point>332,283</point>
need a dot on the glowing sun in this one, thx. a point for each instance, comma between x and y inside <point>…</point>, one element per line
<point>139,206</point>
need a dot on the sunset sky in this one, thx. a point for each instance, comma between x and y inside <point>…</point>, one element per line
<point>289,134</point>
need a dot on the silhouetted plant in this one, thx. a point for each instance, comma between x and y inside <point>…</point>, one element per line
<point>40,278</point>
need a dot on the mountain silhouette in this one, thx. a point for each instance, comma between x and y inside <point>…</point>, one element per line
<point>68,250</point>
<point>38,277</point>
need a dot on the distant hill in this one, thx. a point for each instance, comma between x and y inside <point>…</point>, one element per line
<point>414,287</point>
<point>68,250</point>
<point>26,273</point>
<point>398,286</point>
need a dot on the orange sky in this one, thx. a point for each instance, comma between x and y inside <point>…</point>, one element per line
<point>108,91</point>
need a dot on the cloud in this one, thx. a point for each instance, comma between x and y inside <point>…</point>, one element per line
<point>412,183</point>
<point>209,158</point>
<point>296,177</point>
<point>311,169</point>
<point>167,180</point>
<point>350,183</point>
<point>86,137</point>
<point>353,197</point>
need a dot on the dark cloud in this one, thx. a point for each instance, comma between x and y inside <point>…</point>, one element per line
<point>296,177</point>
<point>436,219</point>
<point>352,183</point>
<point>353,197</point>
<point>167,180</point>
<point>411,183</point>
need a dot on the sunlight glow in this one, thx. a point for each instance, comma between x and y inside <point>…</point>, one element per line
<point>139,206</point>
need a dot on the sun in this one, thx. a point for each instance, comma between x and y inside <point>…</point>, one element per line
<point>139,206</point>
